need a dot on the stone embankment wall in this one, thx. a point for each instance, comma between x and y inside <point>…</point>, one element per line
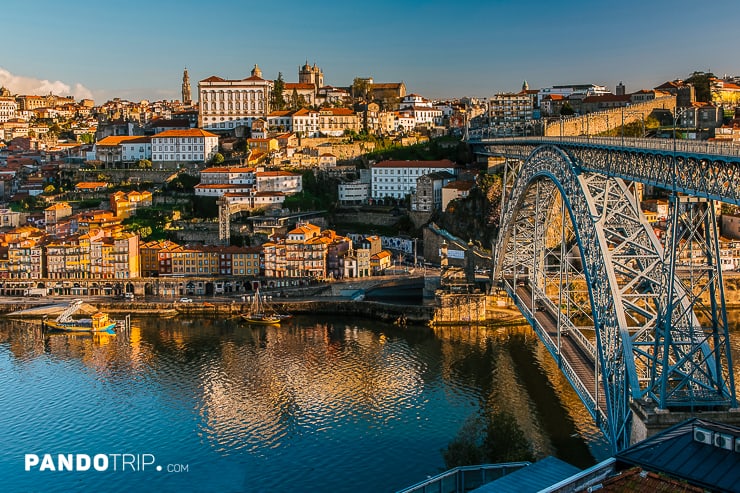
<point>130,175</point>
<point>405,314</point>
<point>371,218</point>
<point>601,121</point>
<point>342,149</point>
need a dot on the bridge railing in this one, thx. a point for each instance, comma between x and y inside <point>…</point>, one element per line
<point>582,341</point>
<point>680,146</point>
<point>583,392</point>
<point>570,328</point>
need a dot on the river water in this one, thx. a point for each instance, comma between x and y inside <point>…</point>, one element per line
<point>329,404</point>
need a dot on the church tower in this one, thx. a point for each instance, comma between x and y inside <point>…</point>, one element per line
<point>256,71</point>
<point>187,98</point>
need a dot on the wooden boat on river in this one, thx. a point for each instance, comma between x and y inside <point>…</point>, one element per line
<point>98,322</point>
<point>261,312</point>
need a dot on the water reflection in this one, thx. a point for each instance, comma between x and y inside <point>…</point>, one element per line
<point>311,397</point>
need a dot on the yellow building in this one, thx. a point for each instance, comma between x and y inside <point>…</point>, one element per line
<point>124,205</point>
<point>380,261</point>
<point>55,212</point>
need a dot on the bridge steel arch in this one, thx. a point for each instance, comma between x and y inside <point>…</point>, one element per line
<point>632,292</point>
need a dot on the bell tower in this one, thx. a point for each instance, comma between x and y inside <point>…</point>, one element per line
<point>187,98</point>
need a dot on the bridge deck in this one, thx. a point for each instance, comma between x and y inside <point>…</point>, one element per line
<point>570,351</point>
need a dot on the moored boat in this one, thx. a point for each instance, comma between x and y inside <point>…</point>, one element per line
<point>98,322</point>
<point>260,312</point>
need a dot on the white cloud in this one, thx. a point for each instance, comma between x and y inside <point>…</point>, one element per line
<point>19,84</point>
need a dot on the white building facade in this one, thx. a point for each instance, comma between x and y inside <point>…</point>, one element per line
<point>236,175</point>
<point>8,109</point>
<point>279,181</point>
<point>353,193</point>
<point>180,146</point>
<point>396,179</point>
<point>136,149</point>
<point>226,104</point>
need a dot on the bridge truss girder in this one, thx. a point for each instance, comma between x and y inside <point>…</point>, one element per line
<point>703,175</point>
<point>636,353</point>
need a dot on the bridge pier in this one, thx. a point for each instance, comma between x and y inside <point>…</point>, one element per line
<point>648,419</point>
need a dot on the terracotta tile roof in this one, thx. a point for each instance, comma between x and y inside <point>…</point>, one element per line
<point>669,85</point>
<point>220,186</point>
<point>460,185</point>
<point>304,112</point>
<point>731,86</point>
<point>58,206</point>
<point>266,174</point>
<point>297,85</point>
<point>139,140</point>
<point>338,111</point>
<point>116,140</point>
<point>214,78</point>
<point>191,132</point>
<point>444,163</point>
<point>635,480</point>
<point>233,169</point>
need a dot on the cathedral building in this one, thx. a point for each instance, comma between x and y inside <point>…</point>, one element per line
<point>311,75</point>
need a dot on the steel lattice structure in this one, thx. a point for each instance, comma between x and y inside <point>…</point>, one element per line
<point>650,320</point>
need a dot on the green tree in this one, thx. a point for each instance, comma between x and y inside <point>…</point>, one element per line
<point>702,85</point>
<point>467,447</point>
<point>497,438</point>
<point>294,100</point>
<point>217,158</point>
<point>49,189</point>
<point>277,101</point>
<point>505,441</point>
<point>144,164</point>
<point>87,138</point>
<point>361,89</point>
<point>567,110</point>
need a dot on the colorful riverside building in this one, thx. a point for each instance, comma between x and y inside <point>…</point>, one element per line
<point>309,252</point>
<point>103,254</point>
<point>165,258</point>
<point>25,253</point>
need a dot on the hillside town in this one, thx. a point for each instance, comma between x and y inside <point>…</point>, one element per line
<point>281,183</point>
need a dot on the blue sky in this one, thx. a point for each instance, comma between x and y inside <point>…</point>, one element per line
<point>441,49</point>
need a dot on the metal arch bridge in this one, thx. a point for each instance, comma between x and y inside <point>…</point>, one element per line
<point>627,315</point>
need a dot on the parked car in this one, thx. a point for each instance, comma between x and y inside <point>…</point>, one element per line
<point>186,300</point>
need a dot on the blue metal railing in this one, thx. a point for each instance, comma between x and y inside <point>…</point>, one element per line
<point>465,478</point>
<point>681,146</point>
